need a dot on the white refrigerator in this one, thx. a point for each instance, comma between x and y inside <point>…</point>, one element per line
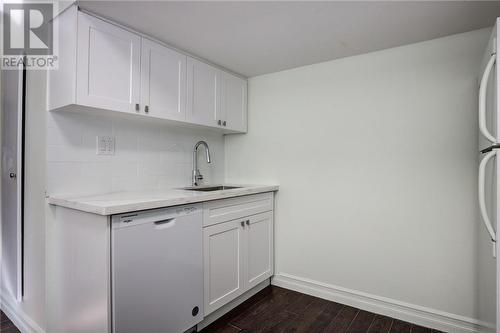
<point>489,187</point>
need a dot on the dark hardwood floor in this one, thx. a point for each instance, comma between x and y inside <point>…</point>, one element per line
<point>6,326</point>
<point>277,310</point>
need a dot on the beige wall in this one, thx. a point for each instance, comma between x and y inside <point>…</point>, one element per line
<point>376,158</point>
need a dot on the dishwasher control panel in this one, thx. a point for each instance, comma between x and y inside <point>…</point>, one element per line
<point>148,216</point>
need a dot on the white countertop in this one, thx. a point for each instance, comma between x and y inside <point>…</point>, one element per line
<point>123,202</point>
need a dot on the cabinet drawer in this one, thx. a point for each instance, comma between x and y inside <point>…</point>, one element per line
<point>233,208</point>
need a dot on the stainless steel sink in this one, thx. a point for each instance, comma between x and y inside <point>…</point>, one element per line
<point>210,188</point>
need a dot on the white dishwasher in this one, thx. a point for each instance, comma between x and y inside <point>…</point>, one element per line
<point>157,270</point>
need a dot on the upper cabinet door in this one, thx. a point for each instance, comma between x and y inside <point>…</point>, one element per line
<point>163,81</point>
<point>203,93</point>
<point>234,102</point>
<point>108,65</point>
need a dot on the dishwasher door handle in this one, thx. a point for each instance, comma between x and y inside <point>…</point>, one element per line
<point>163,224</point>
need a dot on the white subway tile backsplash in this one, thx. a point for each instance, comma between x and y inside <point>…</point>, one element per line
<point>56,136</point>
<point>64,170</point>
<point>124,168</point>
<point>148,155</point>
<point>134,183</point>
<point>61,153</point>
<point>150,165</point>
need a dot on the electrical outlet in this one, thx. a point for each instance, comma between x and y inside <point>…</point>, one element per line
<point>105,145</point>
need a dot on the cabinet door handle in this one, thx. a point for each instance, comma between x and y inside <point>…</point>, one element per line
<point>146,109</point>
<point>242,223</point>
<point>12,175</point>
<point>248,222</point>
<point>224,123</point>
<point>137,107</point>
<point>219,122</point>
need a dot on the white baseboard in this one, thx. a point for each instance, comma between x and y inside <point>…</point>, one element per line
<point>427,317</point>
<point>22,321</point>
<point>419,315</point>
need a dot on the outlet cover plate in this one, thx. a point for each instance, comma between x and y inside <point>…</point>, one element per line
<point>105,145</point>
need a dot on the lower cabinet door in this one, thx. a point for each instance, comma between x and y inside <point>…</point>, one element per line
<point>259,249</point>
<point>223,246</point>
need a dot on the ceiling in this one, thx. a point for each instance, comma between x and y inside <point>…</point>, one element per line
<point>258,37</point>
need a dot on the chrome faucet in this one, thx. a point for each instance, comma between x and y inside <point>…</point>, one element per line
<point>197,176</point>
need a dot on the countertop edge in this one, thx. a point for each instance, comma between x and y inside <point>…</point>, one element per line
<point>160,203</point>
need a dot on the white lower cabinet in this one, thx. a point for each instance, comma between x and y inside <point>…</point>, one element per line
<point>95,266</point>
<point>223,263</point>
<point>259,249</point>
<point>238,255</point>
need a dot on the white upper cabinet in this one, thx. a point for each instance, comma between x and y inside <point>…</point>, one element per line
<point>108,65</point>
<point>163,81</point>
<point>234,102</point>
<point>103,67</point>
<point>216,98</point>
<point>203,93</point>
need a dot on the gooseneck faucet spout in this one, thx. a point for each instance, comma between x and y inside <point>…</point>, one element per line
<point>197,176</point>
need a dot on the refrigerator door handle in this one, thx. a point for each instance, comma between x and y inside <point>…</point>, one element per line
<point>482,201</point>
<point>482,100</point>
